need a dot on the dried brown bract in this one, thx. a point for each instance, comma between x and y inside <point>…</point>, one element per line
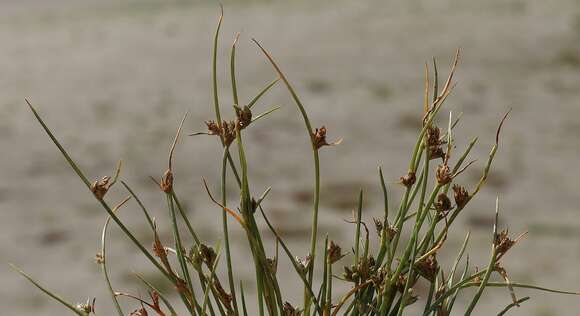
<point>434,143</point>
<point>100,187</point>
<point>361,272</point>
<point>207,254</point>
<point>88,307</point>
<point>443,175</point>
<point>213,128</point>
<point>391,232</point>
<point>428,267</point>
<point>433,136</point>
<point>166,183</point>
<point>228,132</point>
<point>272,265</point>
<point>319,138</point>
<point>289,310</point>
<point>442,204</point>
<point>436,152</point>
<point>379,226</point>
<point>334,253</point>
<point>461,196</point>
<point>243,116</point>
<point>502,242</point>
<point>99,258</point>
<point>349,274</point>
<point>400,283</point>
<point>181,286</point>
<point>160,251</point>
<point>304,263</point>
<point>409,179</point>
<point>139,312</point>
<point>224,297</point>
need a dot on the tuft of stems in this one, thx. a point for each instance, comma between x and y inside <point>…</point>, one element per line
<point>382,281</point>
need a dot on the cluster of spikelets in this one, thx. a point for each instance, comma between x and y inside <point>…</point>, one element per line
<point>382,283</point>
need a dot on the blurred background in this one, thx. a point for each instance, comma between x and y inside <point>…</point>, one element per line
<point>113,79</point>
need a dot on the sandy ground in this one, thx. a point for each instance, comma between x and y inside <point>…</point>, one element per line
<point>114,78</point>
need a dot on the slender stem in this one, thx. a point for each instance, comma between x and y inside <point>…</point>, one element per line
<point>216,102</point>
<point>226,233</point>
<point>262,92</point>
<point>210,283</point>
<point>329,285</point>
<point>357,234</point>
<point>490,266</point>
<point>244,309</point>
<point>178,244</point>
<point>125,230</point>
<point>49,293</point>
<point>233,70</point>
<point>292,259</point>
<point>145,212</point>
<point>163,298</point>
<point>184,217</point>
<point>314,231</point>
<point>104,262</point>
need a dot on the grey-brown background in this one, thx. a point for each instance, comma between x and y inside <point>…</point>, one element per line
<point>113,78</point>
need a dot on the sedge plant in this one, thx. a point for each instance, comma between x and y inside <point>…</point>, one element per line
<point>381,282</point>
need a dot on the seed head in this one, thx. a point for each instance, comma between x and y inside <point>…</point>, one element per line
<point>409,179</point>
<point>166,183</point>
<point>100,187</point>
<point>243,116</point>
<point>502,242</point>
<point>443,174</point>
<point>379,226</point>
<point>272,265</point>
<point>207,254</point>
<point>289,310</point>
<point>224,297</point>
<point>180,285</point>
<point>213,128</point>
<point>304,263</point>
<point>428,267</point>
<point>362,271</point>
<point>99,258</point>
<point>443,204</point>
<point>139,312</point>
<point>88,307</point>
<point>228,132</point>
<point>349,274</point>
<point>334,252</point>
<point>436,152</point>
<point>320,137</point>
<point>400,283</point>
<point>460,195</point>
<point>158,248</point>
<point>392,231</point>
<point>433,136</point>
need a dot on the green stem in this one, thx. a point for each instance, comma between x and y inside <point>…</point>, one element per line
<point>226,234</point>
<point>104,267</point>
<point>49,293</point>
<point>314,232</point>
<point>178,245</point>
<point>125,230</point>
